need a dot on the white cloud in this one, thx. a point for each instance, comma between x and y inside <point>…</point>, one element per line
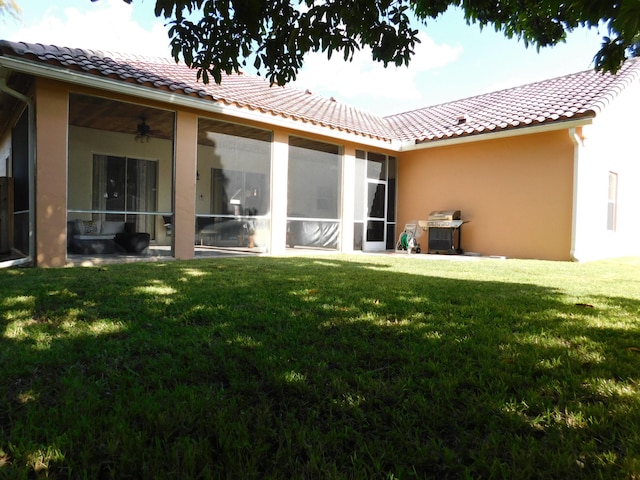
<point>363,76</point>
<point>106,25</point>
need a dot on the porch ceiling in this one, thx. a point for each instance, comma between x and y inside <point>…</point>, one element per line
<point>105,114</point>
<point>114,116</point>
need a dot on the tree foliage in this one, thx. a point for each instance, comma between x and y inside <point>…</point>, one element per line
<point>9,7</point>
<point>217,36</point>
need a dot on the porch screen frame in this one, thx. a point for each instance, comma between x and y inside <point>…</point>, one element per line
<point>314,194</point>
<point>612,202</point>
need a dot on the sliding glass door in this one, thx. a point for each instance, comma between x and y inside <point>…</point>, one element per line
<point>125,189</point>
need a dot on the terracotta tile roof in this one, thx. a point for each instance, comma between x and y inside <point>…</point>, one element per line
<point>569,97</point>
<point>244,91</point>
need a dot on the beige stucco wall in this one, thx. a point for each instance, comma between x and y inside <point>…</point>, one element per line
<point>185,191</point>
<point>51,173</point>
<point>516,193</point>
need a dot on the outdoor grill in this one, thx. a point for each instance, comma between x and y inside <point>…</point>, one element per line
<point>443,230</point>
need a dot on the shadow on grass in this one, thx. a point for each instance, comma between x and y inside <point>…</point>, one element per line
<point>311,368</point>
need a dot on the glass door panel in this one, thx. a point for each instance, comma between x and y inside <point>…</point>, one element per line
<point>375,235</point>
<point>375,210</point>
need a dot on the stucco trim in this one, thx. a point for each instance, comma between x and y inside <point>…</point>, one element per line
<point>569,124</point>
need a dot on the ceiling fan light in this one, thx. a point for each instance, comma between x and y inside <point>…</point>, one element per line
<point>142,134</point>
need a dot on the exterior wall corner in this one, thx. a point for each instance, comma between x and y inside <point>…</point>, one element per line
<point>52,101</point>
<point>185,166</point>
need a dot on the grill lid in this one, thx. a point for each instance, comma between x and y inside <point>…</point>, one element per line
<point>444,215</point>
<point>443,219</point>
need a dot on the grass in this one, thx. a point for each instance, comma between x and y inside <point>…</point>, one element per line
<point>362,367</point>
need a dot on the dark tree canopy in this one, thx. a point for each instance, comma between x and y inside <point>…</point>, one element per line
<point>217,36</point>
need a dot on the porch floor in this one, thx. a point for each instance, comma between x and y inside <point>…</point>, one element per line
<point>163,253</point>
<point>151,254</point>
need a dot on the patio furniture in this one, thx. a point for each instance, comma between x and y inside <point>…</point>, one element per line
<point>98,237</point>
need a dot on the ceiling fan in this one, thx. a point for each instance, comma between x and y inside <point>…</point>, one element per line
<point>142,131</point>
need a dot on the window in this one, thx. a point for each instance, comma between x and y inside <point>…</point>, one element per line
<point>238,193</point>
<point>124,187</point>
<point>612,201</point>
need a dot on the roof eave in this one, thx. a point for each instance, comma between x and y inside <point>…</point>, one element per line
<point>586,119</point>
<point>88,79</point>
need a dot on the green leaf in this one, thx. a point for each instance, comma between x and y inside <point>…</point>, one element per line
<point>225,33</point>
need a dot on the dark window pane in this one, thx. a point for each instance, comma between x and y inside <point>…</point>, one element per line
<point>391,201</point>
<point>376,200</point>
<point>391,236</point>
<point>115,187</point>
<point>375,231</point>
<point>20,165</point>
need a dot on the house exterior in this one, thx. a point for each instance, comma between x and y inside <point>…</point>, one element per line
<point>96,147</point>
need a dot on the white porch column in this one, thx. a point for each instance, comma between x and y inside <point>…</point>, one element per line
<point>586,236</point>
<point>348,198</point>
<point>279,186</point>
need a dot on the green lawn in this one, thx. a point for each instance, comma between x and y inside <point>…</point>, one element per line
<point>329,367</point>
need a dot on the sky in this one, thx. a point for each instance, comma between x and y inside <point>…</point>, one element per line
<point>454,60</point>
